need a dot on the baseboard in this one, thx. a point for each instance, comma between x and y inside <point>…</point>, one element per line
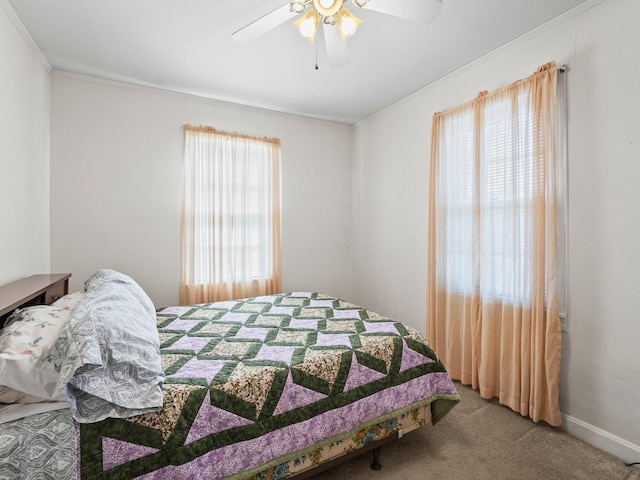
<point>601,439</point>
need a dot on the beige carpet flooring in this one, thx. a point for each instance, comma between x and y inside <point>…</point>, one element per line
<point>483,440</point>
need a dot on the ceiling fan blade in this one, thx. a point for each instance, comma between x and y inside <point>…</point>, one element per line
<point>262,25</point>
<point>424,11</point>
<point>337,51</point>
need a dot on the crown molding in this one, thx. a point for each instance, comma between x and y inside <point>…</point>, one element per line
<point>22,30</point>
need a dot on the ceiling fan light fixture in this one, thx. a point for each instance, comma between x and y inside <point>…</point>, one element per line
<point>308,24</point>
<point>347,22</point>
<point>298,6</point>
<point>360,3</point>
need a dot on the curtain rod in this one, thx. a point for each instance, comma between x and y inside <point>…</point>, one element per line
<point>209,129</point>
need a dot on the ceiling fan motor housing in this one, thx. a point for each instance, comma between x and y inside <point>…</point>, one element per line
<point>327,8</point>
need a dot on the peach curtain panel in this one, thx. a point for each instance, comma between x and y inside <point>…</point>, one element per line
<point>230,217</point>
<point>492,297</point>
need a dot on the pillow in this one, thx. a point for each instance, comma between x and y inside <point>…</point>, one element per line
<point>9,395</point>
<point>108,353</point>
<point>70,301</point>
<point>27,342</point>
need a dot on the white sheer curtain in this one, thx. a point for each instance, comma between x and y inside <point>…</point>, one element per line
<point>231,216</point>
<point>493,296</point>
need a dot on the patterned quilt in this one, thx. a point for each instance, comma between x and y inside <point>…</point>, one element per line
<point>255,383</point>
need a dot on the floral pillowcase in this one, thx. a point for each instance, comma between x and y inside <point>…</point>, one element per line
<point>27,373</point>
<point>71,300</point>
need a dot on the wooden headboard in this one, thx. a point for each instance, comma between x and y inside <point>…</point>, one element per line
<point>42,289</point>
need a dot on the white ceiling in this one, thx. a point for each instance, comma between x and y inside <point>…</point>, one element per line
<point>186,46</point>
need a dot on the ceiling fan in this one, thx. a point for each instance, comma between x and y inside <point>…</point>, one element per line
<point>338,23</point>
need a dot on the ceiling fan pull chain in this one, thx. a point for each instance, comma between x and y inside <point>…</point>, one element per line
<point>316,55</point>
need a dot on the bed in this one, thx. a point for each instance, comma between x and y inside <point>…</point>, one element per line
<point>101,385</point>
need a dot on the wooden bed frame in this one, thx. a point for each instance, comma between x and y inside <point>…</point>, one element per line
<point>44,289</point>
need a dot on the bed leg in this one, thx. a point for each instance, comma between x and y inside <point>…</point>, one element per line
<point>375,465</point>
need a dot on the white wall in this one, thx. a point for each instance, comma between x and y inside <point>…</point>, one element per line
<point>24,152</point>
<point>116,191</point>
<point>600,390</point>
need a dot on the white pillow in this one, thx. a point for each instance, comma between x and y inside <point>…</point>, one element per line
<point>70,301</point>
<point>9,395</point>
<point>26,354</point>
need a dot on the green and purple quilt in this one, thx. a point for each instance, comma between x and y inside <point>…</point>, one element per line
<point>252,384</point>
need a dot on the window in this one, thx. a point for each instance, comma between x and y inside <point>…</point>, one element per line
<point>231,216</point>
<point>491,170</point>
<point>500,186</point>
